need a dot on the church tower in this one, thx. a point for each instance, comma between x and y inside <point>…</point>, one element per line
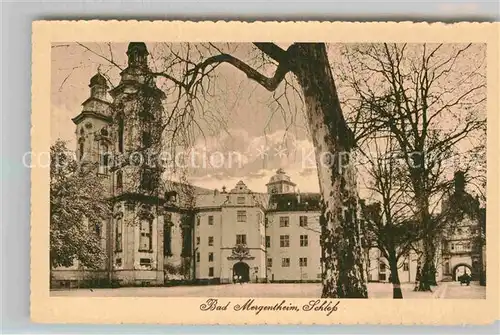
<point>137,188</point>
<point>92,125</point>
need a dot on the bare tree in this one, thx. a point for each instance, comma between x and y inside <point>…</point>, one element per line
<point>431,97</point>
<point>388,221</point>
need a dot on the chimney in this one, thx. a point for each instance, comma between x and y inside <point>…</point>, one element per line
<point>459,182</point>
<point>216,192</point>
<point>223,189</point>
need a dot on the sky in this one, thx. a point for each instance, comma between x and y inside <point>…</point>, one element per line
<point>255,135</point>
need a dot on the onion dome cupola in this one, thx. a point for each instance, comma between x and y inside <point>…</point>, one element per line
<point>137,53</point>
<point>96,106</point>
<point>98,86</point>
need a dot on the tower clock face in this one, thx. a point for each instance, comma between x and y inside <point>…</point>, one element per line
<point>88,125</point>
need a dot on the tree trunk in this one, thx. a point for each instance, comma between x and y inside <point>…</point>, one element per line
<point>427,271</point>
<point>396,284</point>
<point>343,274</point>
<point>428,275</point>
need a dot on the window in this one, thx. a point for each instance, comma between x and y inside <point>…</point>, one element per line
<point>406,266</point>
<point>118,262</point>
<point>259,218</point>
<point>303,262</point>
<point>269,262</point>
<point>303,221</point>
<point>145,262</point>
<point>241,239</point>
<point>167,235</point>
<point>129,206</point>
<point>198,219</point>
<point>268,241</point>
<point>452,246</point>
<point>304,242</point>
<point>119,179</point>
<point>82,149</point>
<point>197,256</point>
<point>104,159</point>
<point>284,241</point>
<point>285,262</point>
<point>146,240</point>
<point>210,271</point>
<point>147,179</point>
<point>97,229</point>
<point>210,220</point>
<point>120,133</point>
<point>210,256</point>
<point>284,221</point>
<point>146,139</point>
<point>382,267</point>
<point>210,241</point>
<point>241,216</point>
<point>240,200</point>
<point>459,231</point>
<point>197,240</point>
<point>118,235</point>
<point>381,277</point>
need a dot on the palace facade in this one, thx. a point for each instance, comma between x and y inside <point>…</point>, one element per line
<point>161,231</point>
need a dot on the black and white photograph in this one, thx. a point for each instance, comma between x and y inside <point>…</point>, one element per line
<point>308,170</point>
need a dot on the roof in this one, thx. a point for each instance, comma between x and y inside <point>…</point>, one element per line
<point>98,79</point>
<point>280,176</point>
<point>295,202</point>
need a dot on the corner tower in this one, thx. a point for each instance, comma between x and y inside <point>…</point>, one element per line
<point>93,124</point>
<point>280,183</point>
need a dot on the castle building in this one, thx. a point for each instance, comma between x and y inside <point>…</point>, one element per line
<point>162,231</point>
<point>462,250</point>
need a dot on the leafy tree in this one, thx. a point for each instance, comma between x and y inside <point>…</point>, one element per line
<point>78,210</point>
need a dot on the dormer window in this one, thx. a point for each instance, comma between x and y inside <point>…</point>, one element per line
<point>104,132</point>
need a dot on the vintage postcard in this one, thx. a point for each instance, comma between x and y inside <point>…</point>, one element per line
<point>264,173</point>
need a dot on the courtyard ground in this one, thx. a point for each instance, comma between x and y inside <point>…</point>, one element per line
<point>451,290</point>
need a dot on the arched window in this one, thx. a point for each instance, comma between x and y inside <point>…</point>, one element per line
<point>118,235</point>
<point>119,179</point>
<point>104,159</point>
<point>81,150</point>
<point>146,235</point>
<point>120,133</point>
<point>167,235</point>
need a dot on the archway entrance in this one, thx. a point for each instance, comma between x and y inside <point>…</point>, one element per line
<point>461,269</point>
<point>241,269</point>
